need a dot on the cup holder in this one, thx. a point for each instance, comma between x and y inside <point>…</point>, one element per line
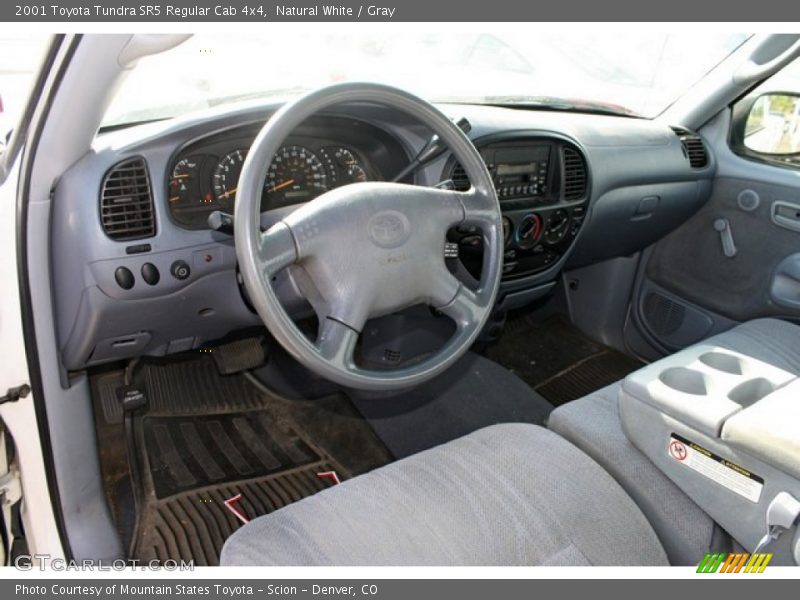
<point>720,361</point>
<point>751,391</point>
<point>685,380</point>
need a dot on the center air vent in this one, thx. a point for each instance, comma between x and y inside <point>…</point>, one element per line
<point>574,174</point>
<point>126,201</point>
<point>693,147</point>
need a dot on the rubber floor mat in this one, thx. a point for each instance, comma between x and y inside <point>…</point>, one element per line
<point>192,465</point>
<point>206,438</point>
<point>186,453</point>
<point>193,525</point>
<point>587,376</point>
<point>557,360</point>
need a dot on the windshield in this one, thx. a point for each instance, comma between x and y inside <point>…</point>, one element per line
<point>638,74</point>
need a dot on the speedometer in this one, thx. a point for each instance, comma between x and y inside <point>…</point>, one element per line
<point>295,175</point>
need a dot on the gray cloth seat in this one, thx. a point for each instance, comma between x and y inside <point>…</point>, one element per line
<point>512,494</point>
<point>769,340</point>
<point>593,424</point>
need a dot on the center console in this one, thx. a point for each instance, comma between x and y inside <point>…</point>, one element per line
<point>725,428</point>
<point>543,188</point>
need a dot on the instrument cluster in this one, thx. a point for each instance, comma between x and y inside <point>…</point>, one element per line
<point>204,176</point>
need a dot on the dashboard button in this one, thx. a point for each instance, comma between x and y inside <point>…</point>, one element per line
<point>150,273</point>
<point>124,278</point>
<point>180,269</point>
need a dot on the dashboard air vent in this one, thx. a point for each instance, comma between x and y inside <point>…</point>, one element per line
<point>126,201</point>
<point>459,178</point>
<point>574,175</point>
<point>693,147</point>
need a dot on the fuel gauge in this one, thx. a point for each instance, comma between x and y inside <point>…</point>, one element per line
<point>351,167</point>
<point>356,173</point>
<point>183,184</point>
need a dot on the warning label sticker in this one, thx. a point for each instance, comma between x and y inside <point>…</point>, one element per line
<point>730,475</point>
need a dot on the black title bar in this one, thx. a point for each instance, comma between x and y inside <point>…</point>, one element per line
<point>239,11</point>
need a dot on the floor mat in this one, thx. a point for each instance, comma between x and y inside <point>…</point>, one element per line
<point>196,524</point>
<point>473,393</point>
<point>557,360</point>
<point>186,453</point>
<point>205,438</point>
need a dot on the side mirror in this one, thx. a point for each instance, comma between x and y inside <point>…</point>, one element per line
<point>773,125</point>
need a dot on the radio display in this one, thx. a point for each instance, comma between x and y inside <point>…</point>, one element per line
<point>515,169</point>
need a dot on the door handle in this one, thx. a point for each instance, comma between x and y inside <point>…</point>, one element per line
<point>786,214</point>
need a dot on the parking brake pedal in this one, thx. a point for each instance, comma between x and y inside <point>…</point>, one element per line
<point>238,356</point>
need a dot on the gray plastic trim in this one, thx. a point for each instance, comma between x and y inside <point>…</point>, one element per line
<point>649,430</point>
<point>704,385</point>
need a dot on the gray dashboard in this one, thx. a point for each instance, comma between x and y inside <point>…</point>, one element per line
<point>639,186</point>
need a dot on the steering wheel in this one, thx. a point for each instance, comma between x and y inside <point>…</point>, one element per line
<point>367,249</point>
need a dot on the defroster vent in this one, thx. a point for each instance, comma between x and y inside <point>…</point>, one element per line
<point>126,201</point>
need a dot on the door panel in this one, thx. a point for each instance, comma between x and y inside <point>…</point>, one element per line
<point>696,271</point>
<point>691,262</point>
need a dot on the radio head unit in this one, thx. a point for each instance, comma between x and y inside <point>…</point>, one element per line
<point>519,172</point>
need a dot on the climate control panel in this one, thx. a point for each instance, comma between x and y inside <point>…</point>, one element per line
<point>540,238</point>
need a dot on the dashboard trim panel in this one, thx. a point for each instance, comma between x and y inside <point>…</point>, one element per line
<point>625,158</point>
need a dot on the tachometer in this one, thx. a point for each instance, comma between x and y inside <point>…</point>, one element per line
<point>295,175</point>
<point>226,177</point>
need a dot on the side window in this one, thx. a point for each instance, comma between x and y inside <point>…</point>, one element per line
<point>766,123</point>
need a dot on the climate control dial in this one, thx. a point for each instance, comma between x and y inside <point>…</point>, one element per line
<point>529,230</point>
<point>557,226</point>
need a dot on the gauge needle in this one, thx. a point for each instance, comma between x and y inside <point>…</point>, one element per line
<point>280,186</point>
<point>174,198</point>
<point>184,176</point>
<point>229,192</point>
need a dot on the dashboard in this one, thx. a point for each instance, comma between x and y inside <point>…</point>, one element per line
<point>318,157</point>
<point>138,270</point>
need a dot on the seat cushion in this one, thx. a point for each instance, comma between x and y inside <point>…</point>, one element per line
<point>769,340</point>
<point>513,494</point>
<point>593,424</point>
